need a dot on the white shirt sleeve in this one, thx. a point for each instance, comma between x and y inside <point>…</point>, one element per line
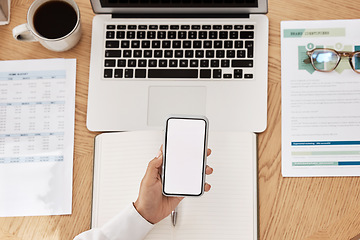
<point>128,224</point>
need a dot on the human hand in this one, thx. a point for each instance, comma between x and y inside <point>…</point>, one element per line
<point>151,203</point>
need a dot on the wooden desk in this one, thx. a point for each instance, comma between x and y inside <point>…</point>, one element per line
<point>289,208</point>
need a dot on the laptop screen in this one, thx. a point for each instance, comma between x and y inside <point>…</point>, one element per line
<point>179,3</point>
<point>135,7</point>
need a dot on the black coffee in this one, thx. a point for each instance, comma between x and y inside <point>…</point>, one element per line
<point>54,19</point>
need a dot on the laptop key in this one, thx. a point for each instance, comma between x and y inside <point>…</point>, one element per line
<point>125,44</point>
<point>194,63</point>
<point>156,44</point>
<point>204,63</point>
<point>179,53</point>
<point>135,44</point>
<point>228,44</point>
<point>199,53</point>
<point>110,63</point>
<point>130,35</point>
<point>148,53</point>
<point>140,73</point>
<point>215,63</point>
<point>131,63</point>
<point>141,35</point>
<point>121,63</point>
<point>120,34</point>
<point>162,63</point>
<point>151,35</point>
<point>152,63</point>
<point>145,44</point>
<point>186,44</point>
<point>248,76</point>
<point>161,35</point>
<point>202,35</point>
<point>213,35</point>
<point>137,53</point>
<point>197,44</point>
<point>129,73</point>
<point>230,53</point>
<point>182,35</point>
<point>184,63</point>
<point>246,35</point>
<point>110,34</point>
<point>173,63</point>
<point>238,73</point>
<point>192,35</point>
<point>234,35</point>
<point>118,73</point>
<point>218,44</point>
<point>142,63</point>
<point>169,53</point>
<point>176,44</point>
<point>217,73</point>
<point>112,44</point>
<point>223,35</point>
<point>127,53</point>
<point>173,73</point>
<point>239,44</point>
<point>225,63</point>
<point>108,73</point>
<point>242,63</point>
<point>205,73</point>
<point>113,53</point>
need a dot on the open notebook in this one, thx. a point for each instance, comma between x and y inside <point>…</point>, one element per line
<point>228,211</point>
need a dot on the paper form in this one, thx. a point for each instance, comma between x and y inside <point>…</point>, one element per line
<point>320,111</point>
<point>37,106</point>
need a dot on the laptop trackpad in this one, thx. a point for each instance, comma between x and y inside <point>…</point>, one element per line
<point>164,101</point>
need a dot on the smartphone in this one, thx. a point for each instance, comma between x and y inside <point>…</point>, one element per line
<point>184,157</point>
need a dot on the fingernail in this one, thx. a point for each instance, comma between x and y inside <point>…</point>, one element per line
<point>159,154</point>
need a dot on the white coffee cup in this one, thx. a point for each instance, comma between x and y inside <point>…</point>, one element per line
<point>29,32</point>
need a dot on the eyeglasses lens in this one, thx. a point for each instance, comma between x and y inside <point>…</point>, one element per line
<point>356,62</point>
<point>325,60</point>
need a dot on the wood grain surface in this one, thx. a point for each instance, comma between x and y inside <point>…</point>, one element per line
<point>289,208</point>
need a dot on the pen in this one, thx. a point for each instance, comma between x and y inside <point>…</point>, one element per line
<point>174,216</point>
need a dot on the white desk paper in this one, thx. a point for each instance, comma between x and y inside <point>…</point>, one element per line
<point>37,106</point>
<point>320,111</point>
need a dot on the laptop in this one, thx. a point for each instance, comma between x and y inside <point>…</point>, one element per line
<point>154,58</point>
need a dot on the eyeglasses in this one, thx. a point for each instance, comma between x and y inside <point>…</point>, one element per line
<point>326,59</point>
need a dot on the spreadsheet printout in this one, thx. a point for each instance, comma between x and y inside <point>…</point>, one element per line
<point>37,106</point>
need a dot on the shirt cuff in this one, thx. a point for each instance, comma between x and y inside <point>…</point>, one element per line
<point>128,221</point>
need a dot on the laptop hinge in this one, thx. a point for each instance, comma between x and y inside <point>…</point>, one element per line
<point>195,15</point>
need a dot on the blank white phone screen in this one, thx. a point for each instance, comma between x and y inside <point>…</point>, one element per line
<point>184,159</point>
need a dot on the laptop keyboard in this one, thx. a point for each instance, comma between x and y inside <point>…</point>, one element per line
<point>179,52</point>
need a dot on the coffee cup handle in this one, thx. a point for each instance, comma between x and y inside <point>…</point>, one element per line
<point>22,33</point>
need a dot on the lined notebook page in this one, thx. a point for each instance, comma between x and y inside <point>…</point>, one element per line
<point>228,211</point>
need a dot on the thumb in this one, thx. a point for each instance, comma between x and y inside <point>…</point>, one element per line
<point>154,167</point>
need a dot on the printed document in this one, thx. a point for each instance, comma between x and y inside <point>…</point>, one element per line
<point>320,110</point>
<point>37,106</point>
